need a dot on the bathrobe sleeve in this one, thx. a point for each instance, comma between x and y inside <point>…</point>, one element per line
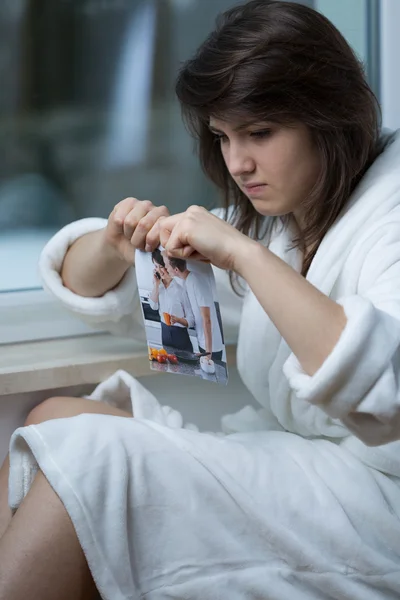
<point>118,311</point>
<point>359,382</point>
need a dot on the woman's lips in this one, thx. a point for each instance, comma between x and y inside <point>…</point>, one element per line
<point>255,188</point>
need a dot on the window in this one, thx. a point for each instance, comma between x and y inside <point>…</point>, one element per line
<point>359,22</point>
<point>89,116</point>
<point>390,51</point>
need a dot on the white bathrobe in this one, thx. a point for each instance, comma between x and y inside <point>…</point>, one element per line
<point>297,501</point>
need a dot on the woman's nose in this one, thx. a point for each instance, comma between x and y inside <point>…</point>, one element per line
<point>239,161</point>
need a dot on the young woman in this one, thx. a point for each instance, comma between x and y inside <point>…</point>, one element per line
<point>168,296</point>
<point>300,499</point>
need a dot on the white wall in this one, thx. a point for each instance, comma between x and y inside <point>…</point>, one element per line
<point>390,69</point>
<point>351,20</point>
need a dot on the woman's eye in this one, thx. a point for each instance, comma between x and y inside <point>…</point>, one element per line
<point>262,133</point>
<point>220,137</point>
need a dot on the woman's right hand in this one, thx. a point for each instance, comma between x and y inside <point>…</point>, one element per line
<point>179,320</point>
<point>156,280</point>
<point>130,227</point>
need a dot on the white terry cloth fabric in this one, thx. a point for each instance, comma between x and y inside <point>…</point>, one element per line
<point>127,393</point>
<point>171,513</point>
<point>296,505</point>
<point>118,311</point>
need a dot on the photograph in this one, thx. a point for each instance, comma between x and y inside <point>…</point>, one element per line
<point>181,315</point>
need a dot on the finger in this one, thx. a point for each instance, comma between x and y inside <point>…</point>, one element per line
<point>166,226</point>
<point>120,211</point>
<point>199,257</point>
<point>145,225</point>
<point>177,244</point>
<point>196,256</point>
<point>185,252</point>
<point>178,238</point>
<point>188,251</point>
<point>132,220</point>
<point>153,235</point>
<point>152,240</point>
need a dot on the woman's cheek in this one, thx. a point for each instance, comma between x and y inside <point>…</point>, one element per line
<point>225,154</point>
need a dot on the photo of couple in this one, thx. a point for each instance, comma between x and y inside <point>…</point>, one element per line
<point>182,316</point>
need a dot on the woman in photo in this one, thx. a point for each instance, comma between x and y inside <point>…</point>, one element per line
<point>301,498</point>
<point>172,302</point>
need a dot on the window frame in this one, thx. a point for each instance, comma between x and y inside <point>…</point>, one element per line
<point>390,51</point>
<point>44,318</point>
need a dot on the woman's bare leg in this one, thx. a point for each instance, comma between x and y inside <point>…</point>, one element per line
<point>5,512</point>
<point>53,408</point>
<point>40,556</point>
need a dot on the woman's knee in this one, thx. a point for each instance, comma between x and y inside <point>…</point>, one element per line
<point>60,407</point>
<point>52,408</point>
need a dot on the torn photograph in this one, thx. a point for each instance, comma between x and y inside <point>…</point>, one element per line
<point>182,316</point>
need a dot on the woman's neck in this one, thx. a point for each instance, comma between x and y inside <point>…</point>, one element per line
<point>298,220</point>
<point>167,282</point>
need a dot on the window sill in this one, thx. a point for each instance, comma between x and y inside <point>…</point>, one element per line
<point>52,364</point>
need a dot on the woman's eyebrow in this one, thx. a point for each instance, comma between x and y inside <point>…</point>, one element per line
<point>251,123</point>
<point>239,128</point>
<point>214,129</point>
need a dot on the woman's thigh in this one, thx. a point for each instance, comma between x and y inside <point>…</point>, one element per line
<point>61,407</point>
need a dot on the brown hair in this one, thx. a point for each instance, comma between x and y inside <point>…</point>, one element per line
<point>157,257</point>
<point>178,263</point>
<point>283,62</point>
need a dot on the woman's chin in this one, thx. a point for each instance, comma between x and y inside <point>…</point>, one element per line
<point>268,208</point>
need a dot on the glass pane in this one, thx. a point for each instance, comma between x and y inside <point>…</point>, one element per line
<point>88,115</point>
<point>390,52</point>
<point>359,22</point>
<point>351,19</point>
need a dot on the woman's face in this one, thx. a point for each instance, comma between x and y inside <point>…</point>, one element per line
<point>162,271</point>
<point>275,166</point>
<point>156,267</point>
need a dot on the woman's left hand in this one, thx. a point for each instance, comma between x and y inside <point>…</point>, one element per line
<point>179,320</point>
<point>199,235</point>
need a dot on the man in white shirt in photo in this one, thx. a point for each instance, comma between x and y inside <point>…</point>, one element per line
<point>199,290</point>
